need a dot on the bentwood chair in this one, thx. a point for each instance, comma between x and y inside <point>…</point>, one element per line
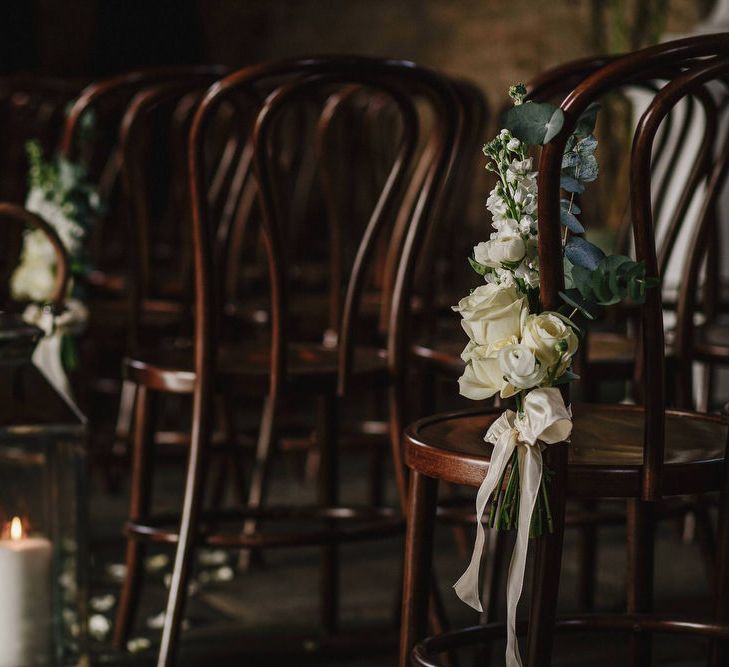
<point>91,137</point>
<point>155,186</point>
<point>262,100</point>
<point>641,454</point>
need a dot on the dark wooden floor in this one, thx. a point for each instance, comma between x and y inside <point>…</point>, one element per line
<point>268,616</point>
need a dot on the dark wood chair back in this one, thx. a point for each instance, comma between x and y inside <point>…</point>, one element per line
<point>91,137</point>
<point>285,87</point>
<point>155,183</point>
<point>648,64</point>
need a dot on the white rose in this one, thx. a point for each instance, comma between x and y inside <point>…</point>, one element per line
<point>482,377</point>
<point>37,247</point>
<point>520,368</point>
<point>33,280</point>
<point>492,313</point>
<point>481,253</point>
<point>552,340</point>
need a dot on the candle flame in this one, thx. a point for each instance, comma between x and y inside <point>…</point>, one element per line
<point>16,528</point>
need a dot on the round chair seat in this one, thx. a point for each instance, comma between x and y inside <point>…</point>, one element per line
<point>312,366</point>
<point>605,454</point>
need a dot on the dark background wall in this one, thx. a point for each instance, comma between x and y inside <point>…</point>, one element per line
<point>493,42</point>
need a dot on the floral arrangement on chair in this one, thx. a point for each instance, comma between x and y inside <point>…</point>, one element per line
<point>518,351</point>
<point>59,194</point>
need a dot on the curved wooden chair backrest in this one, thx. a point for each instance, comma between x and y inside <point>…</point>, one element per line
<point>99,150</point>
<point>19,215</point>
<point>644,65</point>
<point>155,182</point>
<point>281,86</point>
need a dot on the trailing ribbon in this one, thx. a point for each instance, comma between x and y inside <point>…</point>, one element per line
<point>47,354</point>
<point>544,418</point>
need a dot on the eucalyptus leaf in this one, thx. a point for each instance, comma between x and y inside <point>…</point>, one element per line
<point>532,122</point>
<point>583,253</point>
<point>571,222</point>
<point>570,184</point>
<point>567,376</point>
<point>554,125</point>
<point>586,121</point>
<point>574,299</point>
<point>570,206</point>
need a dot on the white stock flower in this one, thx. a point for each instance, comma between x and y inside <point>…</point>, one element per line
<point>527,274</point>
<point>502,277</point>
<point>520,367</point>
<point>551,339</point>
<point>513,144</point>
<point>496,204</point>
<point>492,313</point>
<point>527,225</point>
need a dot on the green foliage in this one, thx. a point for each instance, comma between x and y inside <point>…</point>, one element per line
<point>576,302</point>
<point>583,254</point>
<point>534,123</point>
<point>478,268</point>
<point>587,120</point>
<point>570,221</point>
<point>614,279</point>
<point>63,183</point>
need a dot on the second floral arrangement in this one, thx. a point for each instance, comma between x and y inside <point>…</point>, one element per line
<point>519,351</point>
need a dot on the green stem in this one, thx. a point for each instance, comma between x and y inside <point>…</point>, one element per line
<point>547,508</point>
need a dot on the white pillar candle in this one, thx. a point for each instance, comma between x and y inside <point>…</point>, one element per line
<point>25,601</point>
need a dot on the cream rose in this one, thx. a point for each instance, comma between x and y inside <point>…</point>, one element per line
<point>520,367</point>
<point>482,377</point>
<point>33,280</point>
<point>492,313</point>
<point>551,339</point>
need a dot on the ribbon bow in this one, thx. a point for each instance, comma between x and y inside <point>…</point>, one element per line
<point>544,418</point>
<point>47,354</point>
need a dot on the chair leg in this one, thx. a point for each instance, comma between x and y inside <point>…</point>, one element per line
<point>587,561</point>
<point>547,567</point>
<point>139,507</point>
<point>191,506</point>
<point>328,497</point>
<point>706,540</point>
<point>719,651</point>
<point>260,475</point>
<point>640,525</point>
<point>422,499</point>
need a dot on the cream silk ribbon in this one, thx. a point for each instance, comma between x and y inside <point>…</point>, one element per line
<point>545,418</point>
<point>47,354</point>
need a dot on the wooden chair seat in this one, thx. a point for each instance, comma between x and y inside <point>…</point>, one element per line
<point>310,308</point>
<point>155,312</point>
<point>311,365</point>
<point>605,454</point>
